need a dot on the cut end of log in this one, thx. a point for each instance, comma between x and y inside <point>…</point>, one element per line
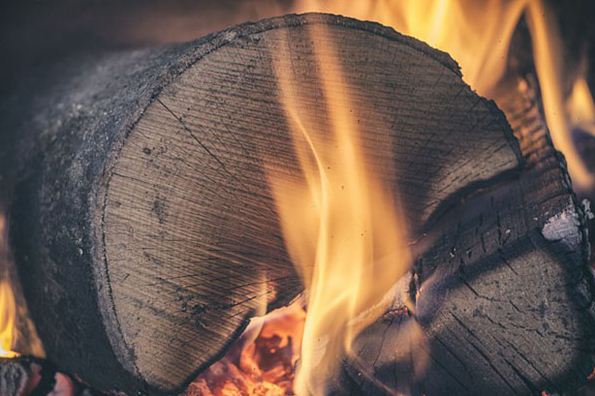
<point>192,244</point>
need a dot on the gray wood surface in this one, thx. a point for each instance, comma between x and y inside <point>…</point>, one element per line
<point>504,295</point>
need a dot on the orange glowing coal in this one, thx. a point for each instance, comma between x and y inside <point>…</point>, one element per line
<point>262,362</point>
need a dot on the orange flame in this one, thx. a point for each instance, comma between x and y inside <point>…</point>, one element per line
<point>547,52</point>
<point>8,313</point>
<point>8,306</point>
<point>342,227</point>
<point>580,106</point>
<point>477,35</point>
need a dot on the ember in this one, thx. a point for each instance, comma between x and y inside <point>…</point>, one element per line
<point>262,362</point>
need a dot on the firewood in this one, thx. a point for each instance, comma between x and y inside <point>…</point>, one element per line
<point>142,223</point>
<point>15,376</point>
<point>505,295</point>
<point>26,375</point>
<point>30,376</point>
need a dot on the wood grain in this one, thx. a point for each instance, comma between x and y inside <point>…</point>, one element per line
<point>192,241</point>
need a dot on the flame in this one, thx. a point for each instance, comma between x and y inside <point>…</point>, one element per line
<point>477,35</point>
<point>580,107</point>
<point>262,362</point>
<point>342,227</point>
<point>8,305</point>
<point>547,52</point>
<point>17,331</point>
<point>8,313</point>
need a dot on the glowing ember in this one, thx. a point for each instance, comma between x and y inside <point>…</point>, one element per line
<point>262,362</point>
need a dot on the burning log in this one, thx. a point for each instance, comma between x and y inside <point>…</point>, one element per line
<point>145,232</point>
<point>531,228</point>
<point>505,294</point>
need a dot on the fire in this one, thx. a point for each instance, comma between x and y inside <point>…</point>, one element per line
<point>580,106</point>
<point>547,53</point>
<point>262,362</point>
<point>477,35</point>
<point>17,331</point>
<point>8,306</point>
<point>8,312</point>
<point>342,227</point>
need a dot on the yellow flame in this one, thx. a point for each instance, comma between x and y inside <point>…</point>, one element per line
<point>477,34</point>
<point>343,229</point>
<point>8,313</point>
<point>580,107</point>
<point>8,305</point>
<point>547,51</point>
<point>338,218</point>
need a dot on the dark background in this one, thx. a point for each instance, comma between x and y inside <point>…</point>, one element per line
<point>36,31</point>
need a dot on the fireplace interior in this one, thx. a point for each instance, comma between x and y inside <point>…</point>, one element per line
<point>306,197</point>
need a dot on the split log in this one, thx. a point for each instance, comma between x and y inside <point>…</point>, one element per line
<point>142,223</point>
<point>505,295</point>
